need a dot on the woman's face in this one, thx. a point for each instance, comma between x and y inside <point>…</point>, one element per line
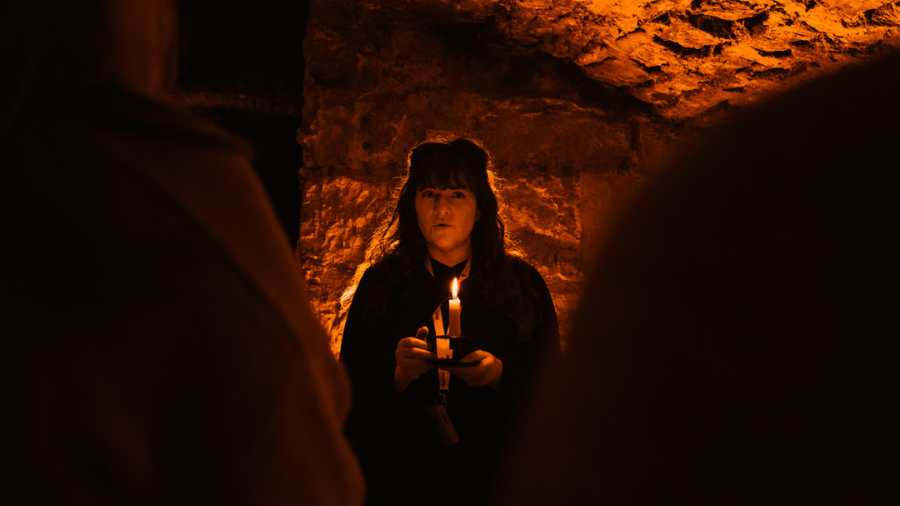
<point>446,218</point>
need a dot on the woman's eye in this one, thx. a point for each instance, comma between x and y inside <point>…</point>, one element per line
<point>427,194</point>
<point>459,195</point>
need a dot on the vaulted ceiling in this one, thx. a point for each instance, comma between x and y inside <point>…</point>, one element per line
<point>684,56</point>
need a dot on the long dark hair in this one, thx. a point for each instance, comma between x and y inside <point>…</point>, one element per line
<point>398,244</point>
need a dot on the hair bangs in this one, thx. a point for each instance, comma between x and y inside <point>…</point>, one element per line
<point>442,170</point>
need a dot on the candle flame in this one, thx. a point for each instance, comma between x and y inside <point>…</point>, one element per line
<point>455,287</point>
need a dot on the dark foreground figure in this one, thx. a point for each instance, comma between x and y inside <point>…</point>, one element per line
<point>738,343</point>
<point>156,341</point>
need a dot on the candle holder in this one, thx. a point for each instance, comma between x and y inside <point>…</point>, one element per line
<point>461,346</point>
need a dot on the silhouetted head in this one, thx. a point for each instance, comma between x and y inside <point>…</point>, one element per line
<point>50,46</point>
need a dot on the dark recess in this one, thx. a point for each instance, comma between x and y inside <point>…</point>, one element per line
<point>253,49</point>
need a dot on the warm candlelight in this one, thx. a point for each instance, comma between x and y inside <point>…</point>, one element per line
<point>455,309</point>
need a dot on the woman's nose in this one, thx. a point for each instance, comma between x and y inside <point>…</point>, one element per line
<point>441,205</point>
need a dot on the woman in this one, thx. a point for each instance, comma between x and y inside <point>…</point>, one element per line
<point>446,225</point>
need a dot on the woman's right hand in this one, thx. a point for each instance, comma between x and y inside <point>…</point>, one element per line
<point>412,359</point>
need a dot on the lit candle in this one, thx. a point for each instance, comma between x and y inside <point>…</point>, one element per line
<point>455,309</point>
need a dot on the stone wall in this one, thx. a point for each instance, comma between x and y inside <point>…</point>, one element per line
<point>378,81</point>
<point>573,98</point>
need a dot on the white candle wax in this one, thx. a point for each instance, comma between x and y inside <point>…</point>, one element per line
<point>455,310</point>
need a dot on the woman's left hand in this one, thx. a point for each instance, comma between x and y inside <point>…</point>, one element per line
<point>487,372</point>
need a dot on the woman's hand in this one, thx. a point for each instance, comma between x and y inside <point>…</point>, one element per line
<point>411,355</point>
<point>487,372</point>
